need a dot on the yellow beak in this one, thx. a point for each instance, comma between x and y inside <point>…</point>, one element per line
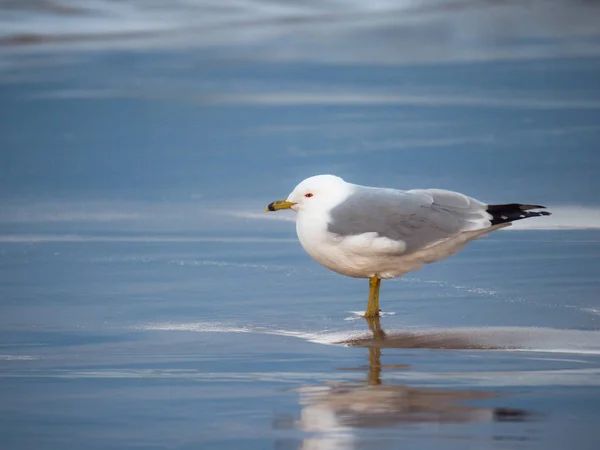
<point>279,204</point>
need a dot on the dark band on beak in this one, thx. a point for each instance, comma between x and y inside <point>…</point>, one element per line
<point>279,204</point>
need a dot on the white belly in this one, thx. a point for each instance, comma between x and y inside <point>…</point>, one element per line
<point>361,256</point>
<point>367,255</point>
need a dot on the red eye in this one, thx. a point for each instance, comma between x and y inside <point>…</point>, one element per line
<point>309,195</point>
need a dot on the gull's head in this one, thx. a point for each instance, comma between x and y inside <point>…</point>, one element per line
<point>321,192</point>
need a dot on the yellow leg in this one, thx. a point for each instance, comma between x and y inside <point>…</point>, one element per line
<point>373,305</point>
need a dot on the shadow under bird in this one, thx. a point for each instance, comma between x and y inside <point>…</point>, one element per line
<point>379,233</point>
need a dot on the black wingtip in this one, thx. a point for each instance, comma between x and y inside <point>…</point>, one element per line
<point>511,212</point>
<point>528,207</point>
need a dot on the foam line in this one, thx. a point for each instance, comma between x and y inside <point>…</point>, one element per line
<point>535,339</point>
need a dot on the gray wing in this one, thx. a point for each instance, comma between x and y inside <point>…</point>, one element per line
<point>419,218</point>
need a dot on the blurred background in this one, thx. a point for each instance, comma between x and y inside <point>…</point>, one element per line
<point>146,299</point>
<point>187,107</point>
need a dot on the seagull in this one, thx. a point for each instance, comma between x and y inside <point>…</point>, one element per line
<point>380,233</point>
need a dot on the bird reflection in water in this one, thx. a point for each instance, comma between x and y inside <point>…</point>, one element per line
<point>336,411</point>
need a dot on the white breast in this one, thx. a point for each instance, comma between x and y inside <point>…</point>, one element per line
<point>313,235</point>
<point>361,256</point>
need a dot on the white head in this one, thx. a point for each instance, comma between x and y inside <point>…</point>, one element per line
<point>320,192</point>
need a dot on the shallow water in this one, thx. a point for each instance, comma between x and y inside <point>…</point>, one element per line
<point>146,301</point>
<point>204,345</point>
